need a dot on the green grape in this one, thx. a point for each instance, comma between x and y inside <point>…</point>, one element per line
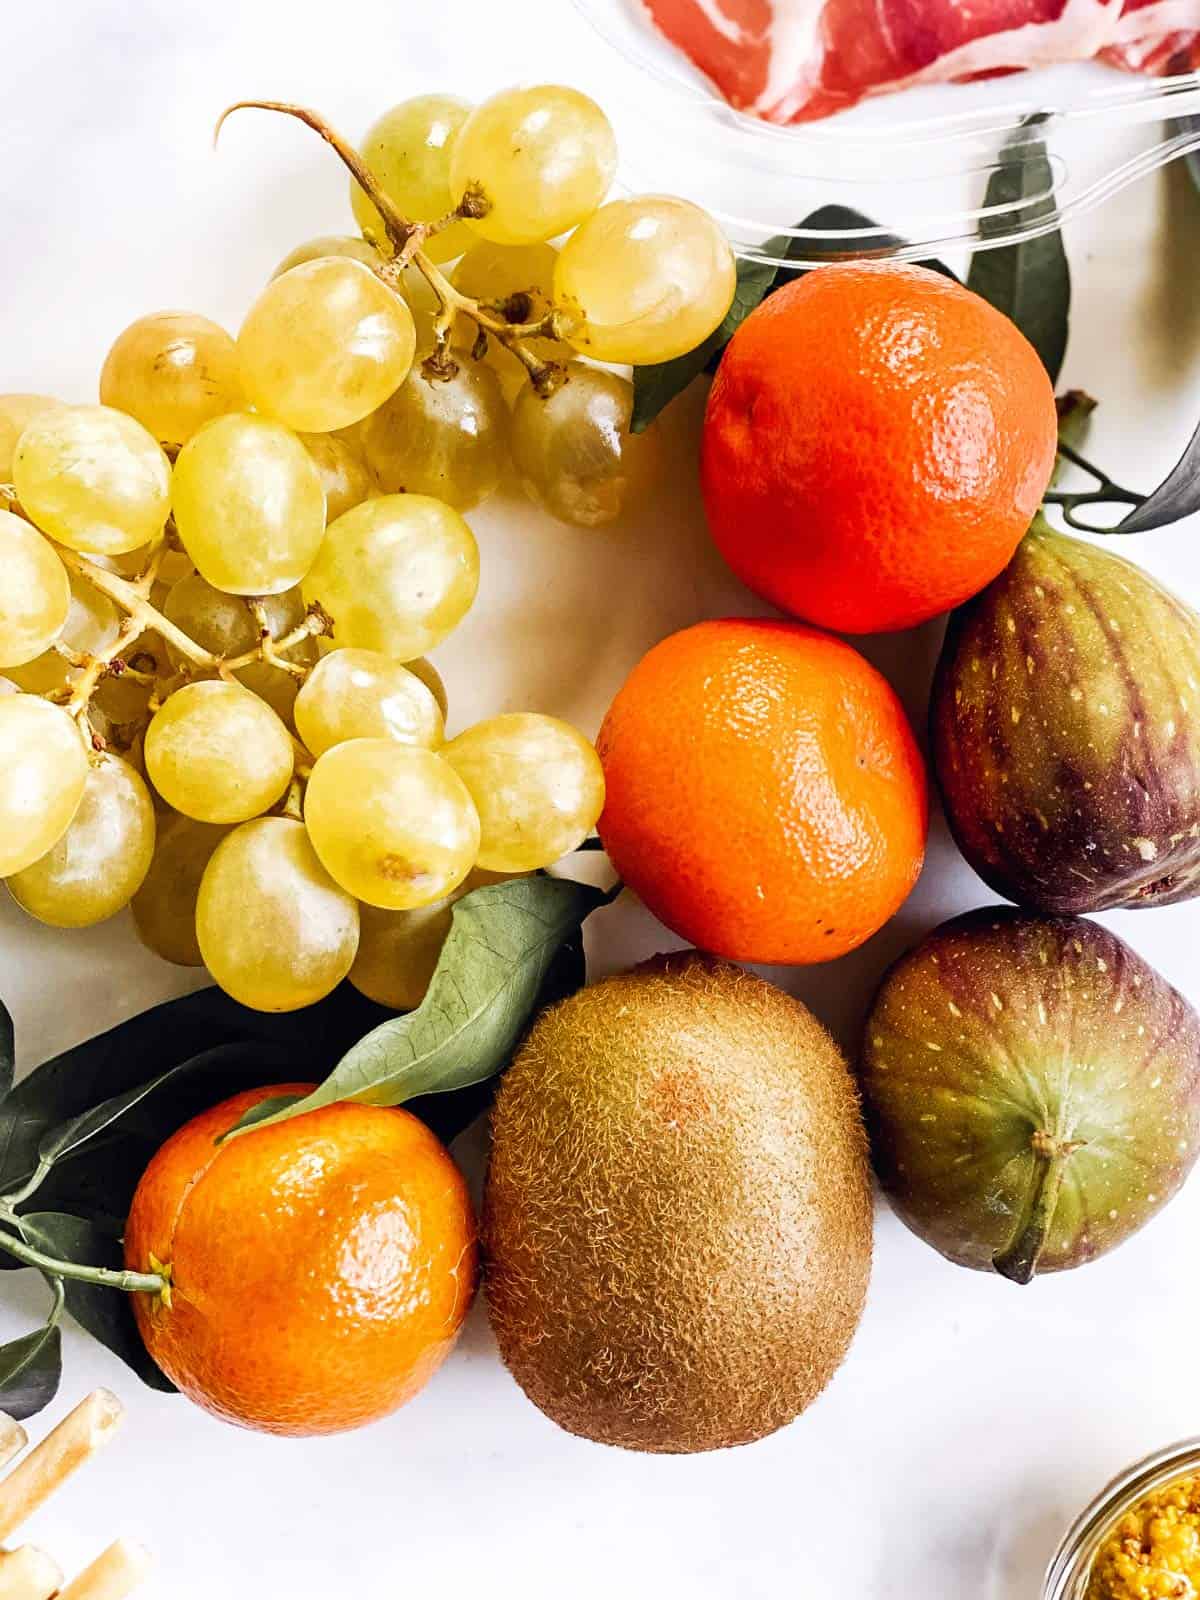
<point>277,686</point>
<point>432,679</point>
<point>43,768</point>
<point>224,624</point>
<point>248,505</point>
<point>35,596</point>
<point>425,307</point>
<point>345,476</point>
<point>16,413</point>
<point>573,449</point>
<point>93,479</point>
<point>131,752</point>
<point>96,867</point>
<point>174,371</point>
<point>537,784</point>
<point>408,151</point>
<point>646,280</point>
<point>394,825</point>
<point>216,752</point>
<point>514,282</point>
<point>328,244</point>
<point>174,566</point>
<point>361,694</point>
<point>164,908</point>
<point>398,950</point>
<point>499,274</point>
<point>92,624</point>
<point>125,701</point>
<point>325,344</point>
<point>273,928</point>
<point>543,158</point>
<point>396,574</point>
<point>441,436</point>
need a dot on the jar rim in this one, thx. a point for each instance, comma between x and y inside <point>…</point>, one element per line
<point>1075,1554</point>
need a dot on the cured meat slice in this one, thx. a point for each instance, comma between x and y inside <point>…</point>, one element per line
<point>792,60</point>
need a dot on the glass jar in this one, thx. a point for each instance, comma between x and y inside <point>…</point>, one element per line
<point>1068,1573</point>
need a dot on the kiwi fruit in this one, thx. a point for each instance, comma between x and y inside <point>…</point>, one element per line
<point>677,1213</point>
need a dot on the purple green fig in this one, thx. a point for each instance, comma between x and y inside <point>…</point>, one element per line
<point>1066,732</point>
<point>1032,1091</point>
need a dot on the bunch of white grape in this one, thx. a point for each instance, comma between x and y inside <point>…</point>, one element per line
<point>635,281</point>
<point>218,587</point>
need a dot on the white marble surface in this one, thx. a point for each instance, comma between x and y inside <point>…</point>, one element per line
<point>972,1418</point>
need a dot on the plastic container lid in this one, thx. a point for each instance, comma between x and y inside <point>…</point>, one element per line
<point>918,160</point>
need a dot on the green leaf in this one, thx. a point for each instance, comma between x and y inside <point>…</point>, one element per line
<point>1030,282</point>
<point>868,245</point>
<point>30,1369</point>
<point>224,1070</point>
<point>144,1047</point>
<point>502,942</point>
<point>8,1057</point>
<point>107,1314</point>
<point>450,1114</point>
<point>1176,497</point>
<point>656,385</point>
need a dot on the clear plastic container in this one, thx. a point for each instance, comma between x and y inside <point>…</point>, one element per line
<point>918,160</point>
<point>1067,1575</point>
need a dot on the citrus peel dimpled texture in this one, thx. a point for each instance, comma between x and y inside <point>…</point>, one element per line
<point>327,1322</point>
<point>765,795</point>
<point>877,441</point>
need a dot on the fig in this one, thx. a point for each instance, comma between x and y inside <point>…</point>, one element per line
<point>1065,732</point>
<point>1032,1091</point>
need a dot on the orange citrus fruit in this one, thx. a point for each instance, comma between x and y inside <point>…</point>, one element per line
<point>876,444</point>
<point>319,1270</point>
<point>765,794</point>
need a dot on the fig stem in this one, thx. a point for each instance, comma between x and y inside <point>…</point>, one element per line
<point>1018,1261</point>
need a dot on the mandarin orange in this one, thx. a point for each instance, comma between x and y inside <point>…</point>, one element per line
<point>319,1270</point>
<point>876,444</point>
<point>765,795</point>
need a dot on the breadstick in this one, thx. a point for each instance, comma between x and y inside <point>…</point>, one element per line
<point>113,1575</point>
<point>13,1438</point>
<point>28,1574</point>
<point>77,1437</point>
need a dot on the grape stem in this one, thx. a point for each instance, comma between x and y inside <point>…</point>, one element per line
<point>100,666</point>
<point>406,239</point>
<point>142,616</point>
<point>130,598</point>
<point>292,804</point>
<point>273,651</point>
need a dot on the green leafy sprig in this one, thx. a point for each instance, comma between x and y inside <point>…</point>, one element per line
<point>656,385</point>
<point>77,1133</point>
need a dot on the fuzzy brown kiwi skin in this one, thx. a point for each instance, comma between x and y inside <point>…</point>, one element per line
<point>677,1215</point>
<point>1065,728</point>
<point>1032,1090</point>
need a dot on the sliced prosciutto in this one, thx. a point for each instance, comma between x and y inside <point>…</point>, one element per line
<point>792,60</point>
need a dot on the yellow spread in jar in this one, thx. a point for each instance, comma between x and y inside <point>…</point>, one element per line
<point>1153,1553</point>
